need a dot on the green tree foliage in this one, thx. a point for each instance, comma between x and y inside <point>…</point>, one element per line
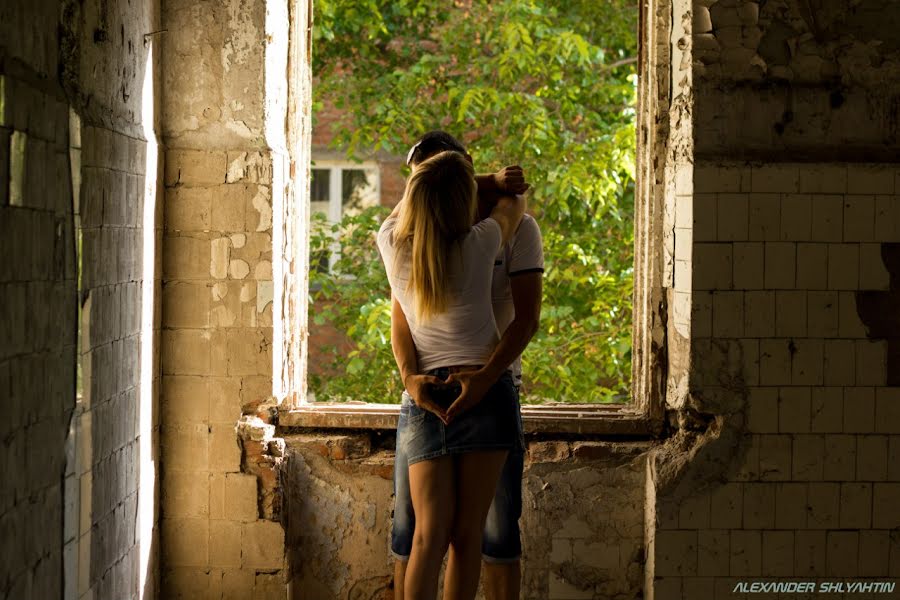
<point>548,85</point>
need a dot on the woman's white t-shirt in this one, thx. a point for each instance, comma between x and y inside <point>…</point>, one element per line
<point>466,333</point>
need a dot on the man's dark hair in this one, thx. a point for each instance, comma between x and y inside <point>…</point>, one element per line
<point>432,143</point>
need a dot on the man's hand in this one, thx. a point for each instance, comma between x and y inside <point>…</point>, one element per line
<point>475,384</point>
<point>511,180</point>
<point>417,388</point>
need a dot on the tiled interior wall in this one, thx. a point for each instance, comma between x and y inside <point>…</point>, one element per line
<point>104,477</point>
<point>781,255</point>
<point>72,183</point>
<point>37,354</point>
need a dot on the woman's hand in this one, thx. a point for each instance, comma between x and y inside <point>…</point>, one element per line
<point>475,384</point>
<point>417,387</point>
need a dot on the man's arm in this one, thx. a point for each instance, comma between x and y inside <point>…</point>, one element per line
<point>526,292</point>
<point>405,354</point>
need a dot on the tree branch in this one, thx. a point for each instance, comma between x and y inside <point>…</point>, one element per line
<point>621,63</point>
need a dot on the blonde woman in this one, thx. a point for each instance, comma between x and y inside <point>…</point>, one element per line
<point>440,269</point>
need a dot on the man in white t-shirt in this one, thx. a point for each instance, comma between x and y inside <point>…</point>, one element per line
<point>516,298</point>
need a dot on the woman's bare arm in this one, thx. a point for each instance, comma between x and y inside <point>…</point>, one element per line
<point>508,213</point>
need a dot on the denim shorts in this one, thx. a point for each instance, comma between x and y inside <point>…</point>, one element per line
<point>492,424</point>
<point>501,542</point>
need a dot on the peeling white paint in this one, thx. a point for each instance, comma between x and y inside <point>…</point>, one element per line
<point>239,269</point>
<point>264,293</point>
<point>248,292</point>
<point>220,316</point>
<point>263,270</point>
<point>261,204</point>
<point>219,291</point>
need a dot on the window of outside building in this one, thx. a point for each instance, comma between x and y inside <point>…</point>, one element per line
<point>338,189</point>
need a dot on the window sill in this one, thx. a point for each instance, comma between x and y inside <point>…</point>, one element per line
<point>610,419</point>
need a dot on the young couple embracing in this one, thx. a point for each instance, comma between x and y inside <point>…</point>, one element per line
<point>465,264</point>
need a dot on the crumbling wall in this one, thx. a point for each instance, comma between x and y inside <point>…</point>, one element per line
<point>780,464</point>
<point>582,523</point>
<point>224,86</point>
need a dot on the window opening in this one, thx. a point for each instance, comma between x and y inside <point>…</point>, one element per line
<point>605,51</point>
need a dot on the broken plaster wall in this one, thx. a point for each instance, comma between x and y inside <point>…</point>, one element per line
<point>224,98</point>
<point>582,522</point>
<point>787,433</point>
<point>77,99</point>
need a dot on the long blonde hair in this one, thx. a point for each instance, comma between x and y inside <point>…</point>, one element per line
<point>438,209</point>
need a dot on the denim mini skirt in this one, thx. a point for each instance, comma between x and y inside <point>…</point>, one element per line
<point>495,423</point>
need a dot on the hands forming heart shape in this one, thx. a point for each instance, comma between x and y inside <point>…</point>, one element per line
<point>472,386</point>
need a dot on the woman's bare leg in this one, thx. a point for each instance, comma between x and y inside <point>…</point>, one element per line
<point>431,486</point>
<point>477,474</point>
